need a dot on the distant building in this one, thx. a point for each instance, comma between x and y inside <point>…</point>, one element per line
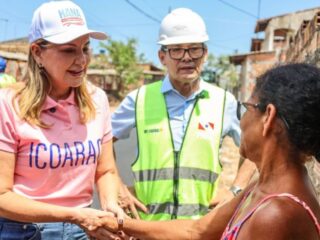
<point>151,73</point>
<point>15,52</point>
<point>280,35</point>
<point>305,46</point>
<point>104,78</point>
<point>18,45</point>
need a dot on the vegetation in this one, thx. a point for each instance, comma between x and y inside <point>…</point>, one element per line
<point>123,56</point>
<point>224,73</point>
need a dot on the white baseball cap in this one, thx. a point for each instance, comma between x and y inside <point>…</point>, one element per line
<point>60,22</point>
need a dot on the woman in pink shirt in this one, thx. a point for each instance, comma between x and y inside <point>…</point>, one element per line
<point>56,140</point>
<point>280,132</point>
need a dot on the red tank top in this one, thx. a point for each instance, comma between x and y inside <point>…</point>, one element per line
<point>232,233</point>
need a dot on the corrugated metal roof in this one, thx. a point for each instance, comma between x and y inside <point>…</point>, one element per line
<point>14,56</point>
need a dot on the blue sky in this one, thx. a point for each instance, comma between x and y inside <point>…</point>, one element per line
<point>230,23</point>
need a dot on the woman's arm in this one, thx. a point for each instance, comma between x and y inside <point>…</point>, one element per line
<point>19,208</point>
<point>211,226</point>
<point>108,180</point>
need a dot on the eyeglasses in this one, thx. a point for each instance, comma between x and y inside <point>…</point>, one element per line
<point>178,53</point>
<point>243,107</point>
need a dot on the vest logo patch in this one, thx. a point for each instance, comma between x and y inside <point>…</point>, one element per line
<point>153,130</point>
<point>205,126</point>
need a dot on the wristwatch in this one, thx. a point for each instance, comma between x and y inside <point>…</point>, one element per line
<point>235,190</point>
<point>120,224</point>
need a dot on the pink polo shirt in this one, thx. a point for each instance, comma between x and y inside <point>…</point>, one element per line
<point>55,165</point>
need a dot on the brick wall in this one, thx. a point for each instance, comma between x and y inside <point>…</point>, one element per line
<point>306,42</point>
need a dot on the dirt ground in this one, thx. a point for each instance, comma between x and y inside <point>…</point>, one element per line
<point>230,159</point>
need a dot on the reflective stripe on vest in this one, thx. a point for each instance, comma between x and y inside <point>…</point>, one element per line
<point>185,211</point>
<point>173,181</point>
<point>184,172</point>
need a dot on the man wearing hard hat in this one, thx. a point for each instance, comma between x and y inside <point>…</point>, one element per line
<point>180,122</point>
<point>5,79</point>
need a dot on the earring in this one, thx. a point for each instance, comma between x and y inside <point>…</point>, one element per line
<point>41,69</point>
<point>40,66</point>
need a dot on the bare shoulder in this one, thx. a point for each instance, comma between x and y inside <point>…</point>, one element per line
<point>280,218</point>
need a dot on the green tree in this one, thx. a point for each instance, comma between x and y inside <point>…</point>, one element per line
<point>225,72</point>
<point>123,56</point>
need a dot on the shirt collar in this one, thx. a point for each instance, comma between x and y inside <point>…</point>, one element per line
<point>51,103</point>
<point>167,87</point>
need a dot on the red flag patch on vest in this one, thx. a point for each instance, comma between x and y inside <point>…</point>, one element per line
<point>205,126</point>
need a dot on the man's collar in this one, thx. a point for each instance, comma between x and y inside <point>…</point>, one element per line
<point>166,85</point>
<point>201,92</point>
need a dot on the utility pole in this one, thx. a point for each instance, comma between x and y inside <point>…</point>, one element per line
<point>5,20</point>
<point>258,15</point>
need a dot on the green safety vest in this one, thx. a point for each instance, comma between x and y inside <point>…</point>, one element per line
<point>177,185</point>
<point>6,80</point>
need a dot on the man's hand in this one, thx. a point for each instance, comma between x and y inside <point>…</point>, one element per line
<point>223,195</point>
<point>109,229</point>
<point>116,210</point>
<point>130,203</point>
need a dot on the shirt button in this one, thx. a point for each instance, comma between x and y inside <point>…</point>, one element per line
<point>24,227</point>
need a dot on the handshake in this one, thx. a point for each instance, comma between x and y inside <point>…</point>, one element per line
<point>108,224</point>
<point>107,228</point>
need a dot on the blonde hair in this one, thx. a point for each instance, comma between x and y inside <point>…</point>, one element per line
<point>32,95</point>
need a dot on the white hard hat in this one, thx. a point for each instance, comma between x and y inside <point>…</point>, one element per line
<point>182,25</point>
